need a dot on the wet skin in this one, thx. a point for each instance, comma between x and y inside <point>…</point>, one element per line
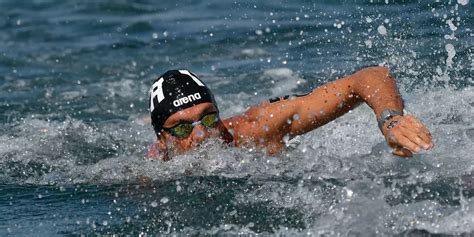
<point>268,124</point>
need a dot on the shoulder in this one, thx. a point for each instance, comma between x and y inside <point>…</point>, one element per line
<point>248,117</point>
<point>241,120</point>
<point>263,120</point>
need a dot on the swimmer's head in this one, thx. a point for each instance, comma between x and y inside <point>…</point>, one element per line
<point>175,91</point>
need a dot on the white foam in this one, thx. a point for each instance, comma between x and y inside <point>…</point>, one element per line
<point>283,80</point>
<point>253,52</point>
<point>347,143</point>
<point>126,88</point>
<point>454,221</point>
<point>349,151</point>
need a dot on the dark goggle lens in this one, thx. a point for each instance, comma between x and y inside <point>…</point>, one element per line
<point>210,120</point>
<point>182,130</point>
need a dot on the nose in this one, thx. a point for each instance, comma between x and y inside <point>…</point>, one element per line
<point>199,134</point>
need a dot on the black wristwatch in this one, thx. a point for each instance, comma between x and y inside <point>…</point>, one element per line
<point>387,115</point>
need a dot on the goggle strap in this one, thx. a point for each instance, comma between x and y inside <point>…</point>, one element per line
<point>194,124</point>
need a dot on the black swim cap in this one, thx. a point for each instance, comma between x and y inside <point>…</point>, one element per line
<point>174,91</point>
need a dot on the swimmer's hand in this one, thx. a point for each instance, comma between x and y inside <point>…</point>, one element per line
<point>155,153</point>
<point>407,135</point>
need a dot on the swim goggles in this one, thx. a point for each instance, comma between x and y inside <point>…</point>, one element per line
<point>183,130</point>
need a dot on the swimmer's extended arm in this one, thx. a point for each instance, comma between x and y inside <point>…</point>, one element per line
<point>374,86</point>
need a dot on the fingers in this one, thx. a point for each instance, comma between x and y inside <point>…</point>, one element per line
<point>416,132</point>
<point>419,138</point>
<point>409,144</point>
<point>421,129</point>
<point>408,136</point>
<point>425,137</point>
<point>400,151</point>
<point>398,140</point>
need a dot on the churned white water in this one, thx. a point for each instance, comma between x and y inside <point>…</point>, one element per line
<point>350,151</point>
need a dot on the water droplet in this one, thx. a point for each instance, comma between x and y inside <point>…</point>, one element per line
<point>451,25</point>
<point>368,43</point>
<point>451,53</point>
<point>382,30</point>
<point>164,200</point>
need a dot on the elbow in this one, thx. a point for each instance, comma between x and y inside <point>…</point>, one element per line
<point>379,73</point>
<point>376,75</point>
<point>379,69</point>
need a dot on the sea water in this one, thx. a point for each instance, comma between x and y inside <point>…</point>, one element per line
<point>74,81</point>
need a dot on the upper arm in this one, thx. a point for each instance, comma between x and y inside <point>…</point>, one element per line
<point>264,122</point>
<point>324,104</point>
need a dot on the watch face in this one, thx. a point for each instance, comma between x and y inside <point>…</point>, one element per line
<point>392,124</point>
<point>387,115</point>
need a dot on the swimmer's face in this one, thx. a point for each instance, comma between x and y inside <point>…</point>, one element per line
<point>182,136</point>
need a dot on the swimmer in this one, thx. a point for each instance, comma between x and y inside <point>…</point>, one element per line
<point>184,113</point>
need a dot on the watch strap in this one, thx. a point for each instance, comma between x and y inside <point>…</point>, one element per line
<point>387,115</point>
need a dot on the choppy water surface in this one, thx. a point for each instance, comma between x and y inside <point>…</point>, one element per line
<point>74,78</point>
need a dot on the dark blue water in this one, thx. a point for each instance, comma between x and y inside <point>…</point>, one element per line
<point>74,78</point>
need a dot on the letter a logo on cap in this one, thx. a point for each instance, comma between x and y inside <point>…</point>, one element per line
<point>156,91</point>
<point>195,79</point>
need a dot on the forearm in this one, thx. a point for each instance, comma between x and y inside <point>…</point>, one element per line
<point>405,134</point>
<point>377,87</point>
